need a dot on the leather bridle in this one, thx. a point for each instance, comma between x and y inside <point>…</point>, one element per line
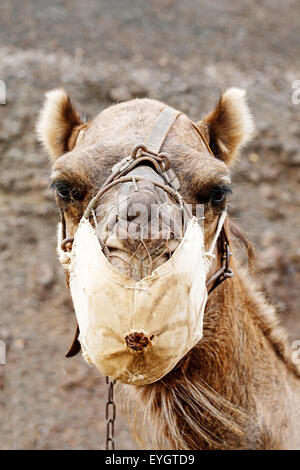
<point>150,152</point>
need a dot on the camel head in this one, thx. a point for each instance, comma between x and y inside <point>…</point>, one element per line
<point>83,156</point>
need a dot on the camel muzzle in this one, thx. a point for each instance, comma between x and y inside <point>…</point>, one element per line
<point>137,331</point>
<point>143,227</point>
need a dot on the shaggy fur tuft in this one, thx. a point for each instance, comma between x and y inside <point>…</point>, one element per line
<point>230,125</point>
<point>56,122</point>
<point>184,412</point>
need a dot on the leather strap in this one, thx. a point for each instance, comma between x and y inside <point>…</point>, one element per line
<point>75,346</point>
<point>162,126</point>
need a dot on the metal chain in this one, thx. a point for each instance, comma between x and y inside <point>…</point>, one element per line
<point>110,415</point>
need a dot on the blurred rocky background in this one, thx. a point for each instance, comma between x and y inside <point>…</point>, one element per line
<point>102,52</point>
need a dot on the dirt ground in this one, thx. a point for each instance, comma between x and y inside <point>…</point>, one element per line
<point>184,53</point>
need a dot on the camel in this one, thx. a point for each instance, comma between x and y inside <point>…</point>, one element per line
<point>237,388</point>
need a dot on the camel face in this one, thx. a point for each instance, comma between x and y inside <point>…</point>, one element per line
<point>83,156</point>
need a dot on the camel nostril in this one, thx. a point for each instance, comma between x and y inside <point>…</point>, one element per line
<point>137,341</point>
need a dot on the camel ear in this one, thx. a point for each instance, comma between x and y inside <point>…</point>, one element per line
<point>230,125</point>
<point>57,122</point>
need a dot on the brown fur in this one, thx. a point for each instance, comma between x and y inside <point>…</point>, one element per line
<point>238,388</point>
<point>230,125</point>
<point>65,121</point>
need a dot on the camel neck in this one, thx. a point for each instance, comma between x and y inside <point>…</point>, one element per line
<point>218,395</point>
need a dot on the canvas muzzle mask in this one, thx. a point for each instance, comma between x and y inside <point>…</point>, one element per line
<point>137,331</point>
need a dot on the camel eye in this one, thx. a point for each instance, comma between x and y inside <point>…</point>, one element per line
<point>63,190</point>
<point>67,192</point>
<point>218,194</point>
<point>77,194</point>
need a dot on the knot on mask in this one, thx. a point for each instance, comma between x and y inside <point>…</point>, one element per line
<point>138,342</point>
<point>85,355</point>
<point>63,255</point>
<point>208,257</point>
<point>64,258</point>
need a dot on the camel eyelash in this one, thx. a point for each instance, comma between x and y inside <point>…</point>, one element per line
<point>215,195</point>
<point>67,192</point>
<point>219,193</point>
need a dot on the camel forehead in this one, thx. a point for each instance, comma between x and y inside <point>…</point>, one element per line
<point>113,134</point>
<point>118,129</point>
<point>129,120</point>
<point>134,108</point>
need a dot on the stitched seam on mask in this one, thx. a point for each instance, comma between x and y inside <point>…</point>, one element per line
<point>128,287</point>
<point>158,276</point>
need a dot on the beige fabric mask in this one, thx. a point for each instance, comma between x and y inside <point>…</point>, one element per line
<point>136,332</point>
